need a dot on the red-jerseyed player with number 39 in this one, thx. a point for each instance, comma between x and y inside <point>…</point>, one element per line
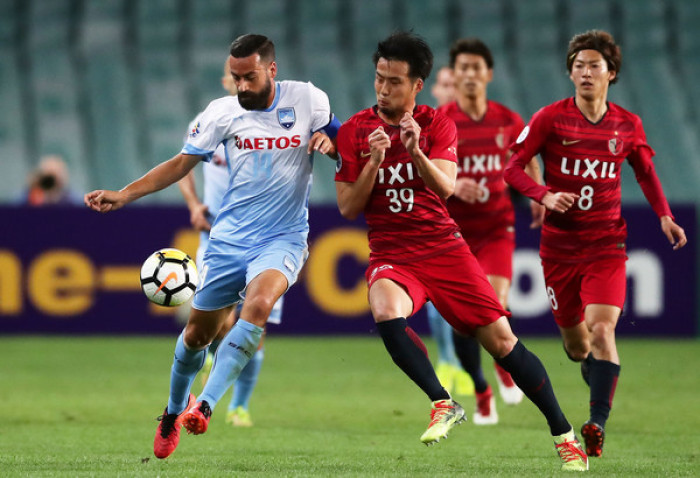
<point>397,165</point>
<point>583,142</point>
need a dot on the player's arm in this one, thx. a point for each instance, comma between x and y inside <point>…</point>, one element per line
<point>646,176</point>
<point>537,210</point>
<point>198,210</point>
<point>353,196</point>
<point>160,177</point>
<point>324,140</point>
<point>438,174</point>
<point>527,145</point>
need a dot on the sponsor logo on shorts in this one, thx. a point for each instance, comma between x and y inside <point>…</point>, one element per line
<point>380,268</point>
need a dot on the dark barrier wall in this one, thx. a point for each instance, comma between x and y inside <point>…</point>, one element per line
<point>71,271</point>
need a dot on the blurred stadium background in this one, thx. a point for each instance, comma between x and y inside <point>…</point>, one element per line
<point>111,85</point>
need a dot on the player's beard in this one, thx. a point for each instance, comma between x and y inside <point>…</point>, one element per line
<point>255,101</point>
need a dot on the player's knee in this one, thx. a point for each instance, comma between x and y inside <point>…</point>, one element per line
<point>603,336</point>
<point>576,351</point>
<point>257,308</point>
<point>196,338</point>
<point>382,313</point>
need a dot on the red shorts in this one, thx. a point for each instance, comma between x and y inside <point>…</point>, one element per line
<point>453,281</point>
<point>573,286</point>
<point>495,255</point>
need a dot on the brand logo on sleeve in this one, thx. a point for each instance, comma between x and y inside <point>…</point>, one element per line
<point>523,135</point>
<point>195,131</point>
<point>339,163</point>
<point>286,117</point>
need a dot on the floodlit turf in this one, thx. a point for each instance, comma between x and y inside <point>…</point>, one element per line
<point>325,407</point>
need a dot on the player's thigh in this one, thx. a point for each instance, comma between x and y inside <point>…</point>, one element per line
<point>460,290</point>
<point>287,255</point>
<point>603,292</point>
<point>563,286</point>
<point>495,256</point>
<point>389,300</point>
<point>222,277</point>
<point>261,295</point>
<point>501,285</point>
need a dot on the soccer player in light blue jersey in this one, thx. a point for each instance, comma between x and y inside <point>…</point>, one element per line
<point>258,240</point>
<point>202,214</point>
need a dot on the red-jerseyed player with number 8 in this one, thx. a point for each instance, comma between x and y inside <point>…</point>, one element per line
<point>583,141</point>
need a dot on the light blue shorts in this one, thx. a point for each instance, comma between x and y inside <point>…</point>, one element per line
<point>228,269</point>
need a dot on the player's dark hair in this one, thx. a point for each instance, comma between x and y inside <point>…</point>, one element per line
<point>408,47</point>
<point>472,46</point>
<point>600,41</point>
<point>249,44</point>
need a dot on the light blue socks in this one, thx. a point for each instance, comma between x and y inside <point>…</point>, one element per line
<point>236,349</point>
<point>244,386</point>
<point>186,364</point>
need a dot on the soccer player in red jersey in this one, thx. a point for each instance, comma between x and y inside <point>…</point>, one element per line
<point>481,204</point>
<point>397,164</point>
<point>583,141</point>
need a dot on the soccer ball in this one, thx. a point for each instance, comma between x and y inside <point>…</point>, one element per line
<point>169,277</point>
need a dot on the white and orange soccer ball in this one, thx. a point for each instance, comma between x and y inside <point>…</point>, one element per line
<point>169,277</point>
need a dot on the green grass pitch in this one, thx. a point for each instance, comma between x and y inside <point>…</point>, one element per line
<point>326,406</point>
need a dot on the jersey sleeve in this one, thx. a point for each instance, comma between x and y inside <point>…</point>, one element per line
<point>348,167</point>
<point>640,158</point>
<point>529,143</point>
<point>207,133</point>
<point>444,138</point>
<point>321,115</point>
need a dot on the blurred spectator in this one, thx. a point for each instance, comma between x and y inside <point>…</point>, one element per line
<point>443,89</point>
<point>49,184</point>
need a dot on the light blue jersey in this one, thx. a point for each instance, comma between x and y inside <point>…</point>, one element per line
<point>269,168</point>
<point>262,222</point>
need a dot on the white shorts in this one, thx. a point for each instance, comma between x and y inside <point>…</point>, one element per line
<point>228,269</point>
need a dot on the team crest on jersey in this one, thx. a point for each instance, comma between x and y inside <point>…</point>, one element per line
<point>286,117</point>
<point>195,130</point>
<point>500,139</point>
<point>615,145</point>
<point>339,163</point>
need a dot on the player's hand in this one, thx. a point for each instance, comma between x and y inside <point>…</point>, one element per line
<point>379,142</point>
<point>674,232</point>
<point>198,217</point>
<point>103,200</point>
<point>410,133</point>
<point>537,211</point>
<point>322,143</point>
<point>559,202</point>
<point>468,190</point>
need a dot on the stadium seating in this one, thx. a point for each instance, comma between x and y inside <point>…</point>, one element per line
<point>59,127</point>
<point>112,84</point>
<point>161,85</point>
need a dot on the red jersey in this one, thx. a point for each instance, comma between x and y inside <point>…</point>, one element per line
<point>585,159</point>
<point>407,221</point>
<point>482,149</point>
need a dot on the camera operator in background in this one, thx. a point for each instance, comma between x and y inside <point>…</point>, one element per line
<point>48,184</point>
